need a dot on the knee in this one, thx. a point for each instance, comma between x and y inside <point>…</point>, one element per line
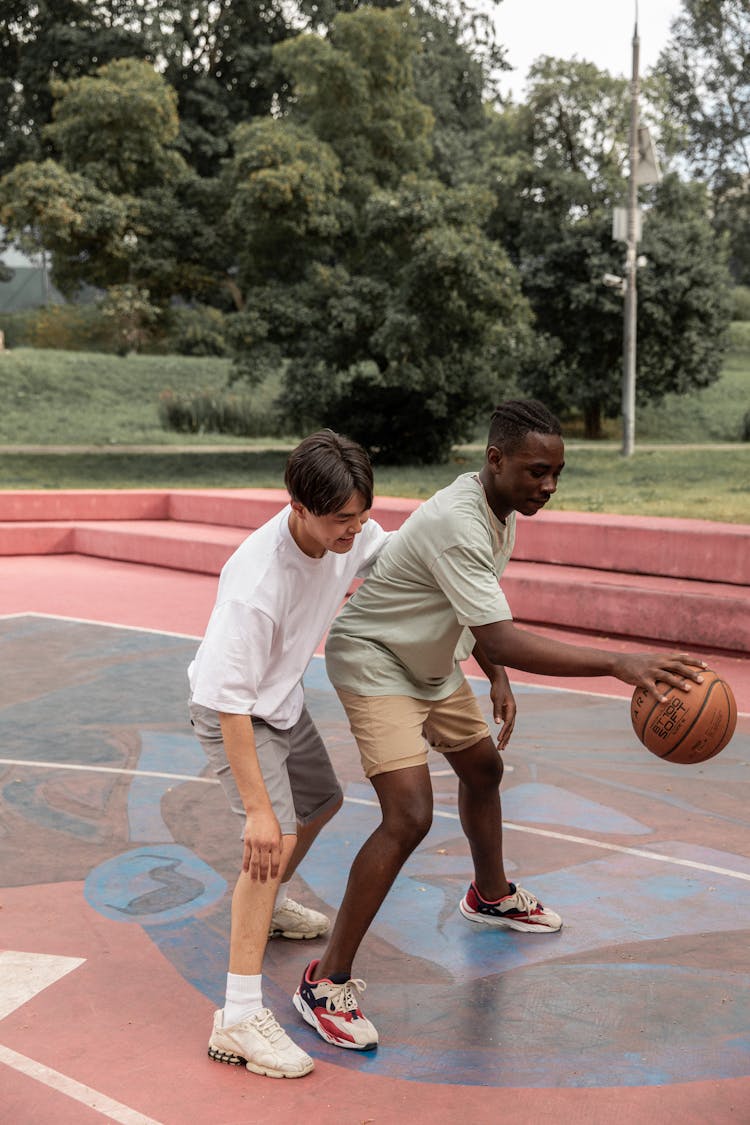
<point>486,770</point>
<point>409,823</point>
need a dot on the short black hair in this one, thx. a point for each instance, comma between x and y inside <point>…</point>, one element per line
<point>325,469</point>
<point>514,419</point>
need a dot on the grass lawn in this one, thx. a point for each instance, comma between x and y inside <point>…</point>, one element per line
<point>88,399</point>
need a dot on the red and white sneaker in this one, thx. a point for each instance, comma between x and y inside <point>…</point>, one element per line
<point>333,1010</point>
<point>520,910</point>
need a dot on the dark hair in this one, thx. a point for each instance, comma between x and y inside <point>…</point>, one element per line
<point>325,469</point>
<point>513,420</point>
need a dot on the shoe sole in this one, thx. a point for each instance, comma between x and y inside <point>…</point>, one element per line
<point>308,1017</point>
<point>296,935</point>
<point>231,1059</point>
<point>508,923</point>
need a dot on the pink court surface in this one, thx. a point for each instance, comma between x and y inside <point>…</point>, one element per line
<point>118,858</point>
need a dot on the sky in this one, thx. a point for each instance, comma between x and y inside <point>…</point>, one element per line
<point>597,31</point>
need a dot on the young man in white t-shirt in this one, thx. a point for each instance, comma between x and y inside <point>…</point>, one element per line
<point>394,655</point>
<point>277,596</point>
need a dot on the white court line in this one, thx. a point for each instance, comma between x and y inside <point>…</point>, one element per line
<point>585,840</point>
<point>108,769</point>
<point>108,1107</point>
<point>638,852</point>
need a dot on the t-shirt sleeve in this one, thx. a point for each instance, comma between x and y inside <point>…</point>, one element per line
<point>469,581</point>
<point>374,539</point>
<point>233,659</point>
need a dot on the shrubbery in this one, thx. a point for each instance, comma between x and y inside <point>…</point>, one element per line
<point>73,328</point>
<point>217,411</point>
<point>199,330</point>
<point>741,302</point>
<point>183,330</point>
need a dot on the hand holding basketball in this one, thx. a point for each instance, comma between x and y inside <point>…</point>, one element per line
<point>657,672</point>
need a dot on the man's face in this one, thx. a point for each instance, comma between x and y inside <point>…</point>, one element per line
<point>335,531</point>
<point>524,480</point>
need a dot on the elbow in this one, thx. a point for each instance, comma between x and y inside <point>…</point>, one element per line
<point>496,641</point>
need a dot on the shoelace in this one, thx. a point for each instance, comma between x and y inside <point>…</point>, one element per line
<point>527,904</point>
<point>343,998</point>
<point>269,1027</point>
<point>292,906</point>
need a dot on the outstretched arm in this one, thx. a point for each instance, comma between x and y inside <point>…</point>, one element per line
<point>505,643</point>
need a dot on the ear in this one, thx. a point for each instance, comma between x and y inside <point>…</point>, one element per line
<point>495,458</point>
<point>299,510</point>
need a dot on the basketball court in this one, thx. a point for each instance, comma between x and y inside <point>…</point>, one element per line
<point>119,856</point>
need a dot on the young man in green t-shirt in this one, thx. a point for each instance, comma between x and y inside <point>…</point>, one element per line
<point>394,655</point>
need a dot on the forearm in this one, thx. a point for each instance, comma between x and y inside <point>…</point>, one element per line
<point>514,647</point>
<point>491,671</point>
<point>239,744</point>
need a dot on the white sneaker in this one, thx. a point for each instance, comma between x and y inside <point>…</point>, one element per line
<point>520,910</point>
<point>261,1044</point>
<point>293,920</point>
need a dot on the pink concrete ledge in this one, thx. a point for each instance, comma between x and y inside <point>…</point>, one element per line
<point>84,504</point>
<point>701,549</point>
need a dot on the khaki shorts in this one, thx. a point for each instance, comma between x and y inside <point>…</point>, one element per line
<point>393,732</point>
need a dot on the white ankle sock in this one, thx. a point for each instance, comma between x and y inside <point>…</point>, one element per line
<point>244,997</point>
<point>281,895</point>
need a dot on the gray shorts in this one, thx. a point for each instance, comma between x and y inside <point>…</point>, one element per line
<point>296,769</point>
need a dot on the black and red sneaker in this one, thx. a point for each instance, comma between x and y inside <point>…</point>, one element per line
<point>520,910</point>
<point>332,1008</point>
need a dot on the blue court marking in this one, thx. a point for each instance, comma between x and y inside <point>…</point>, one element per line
<point>153,885</point>
<point>536,803</point>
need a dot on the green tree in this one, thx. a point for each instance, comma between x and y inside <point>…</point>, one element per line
<point>558,169</point>
<point>399,318</point>
<point>704,88</point>
<point>50,40</point>
<point>120,205</point>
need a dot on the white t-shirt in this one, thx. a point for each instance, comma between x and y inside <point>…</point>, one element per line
<point>273,606</point>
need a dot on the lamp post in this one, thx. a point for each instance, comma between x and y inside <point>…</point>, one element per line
<point>630,326</point>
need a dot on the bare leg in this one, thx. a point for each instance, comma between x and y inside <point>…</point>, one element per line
<point>479,770</point>
<point>406,804</point>
<point>252,906</point>
<point>306,834</point>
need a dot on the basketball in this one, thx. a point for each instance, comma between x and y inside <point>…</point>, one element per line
<point>689,726</point>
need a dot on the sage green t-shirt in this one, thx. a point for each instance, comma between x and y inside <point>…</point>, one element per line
<point>407,627</point>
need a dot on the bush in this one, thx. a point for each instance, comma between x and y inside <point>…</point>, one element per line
<point>213,411</point>
<point>197,330</point>
<point>741,302</point>
<point>63,327</point>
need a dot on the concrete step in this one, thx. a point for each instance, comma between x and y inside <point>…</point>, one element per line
<point>703,550</point>
<point>682,611</point>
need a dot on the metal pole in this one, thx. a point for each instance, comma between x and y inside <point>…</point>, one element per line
<point>630,327</point>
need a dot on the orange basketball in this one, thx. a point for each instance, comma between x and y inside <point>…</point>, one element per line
<point>690,726</point>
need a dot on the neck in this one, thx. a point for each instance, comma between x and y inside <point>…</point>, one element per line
<point>494,503</point>
<point>305,542</point>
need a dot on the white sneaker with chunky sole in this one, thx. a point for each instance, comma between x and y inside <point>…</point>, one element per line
<point>293,920</point>
<point>520,910</point>
<point>260,1044</point>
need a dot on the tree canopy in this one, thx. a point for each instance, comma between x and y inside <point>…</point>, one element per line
<point>343,179</point>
